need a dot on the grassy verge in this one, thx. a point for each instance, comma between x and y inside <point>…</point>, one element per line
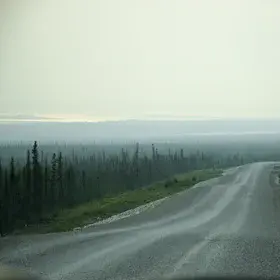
<point>108,206</point>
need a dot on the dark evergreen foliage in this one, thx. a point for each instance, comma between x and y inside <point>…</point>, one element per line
<point>37,189</point>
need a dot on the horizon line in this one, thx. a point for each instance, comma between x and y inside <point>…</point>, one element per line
<point>53,120</point>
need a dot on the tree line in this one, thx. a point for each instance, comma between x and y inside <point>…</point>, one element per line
<point>31,192</point>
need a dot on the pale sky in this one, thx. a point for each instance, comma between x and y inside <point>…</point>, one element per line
<point>116,59</point>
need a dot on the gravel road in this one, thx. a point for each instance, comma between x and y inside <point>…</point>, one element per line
<point>224,226</point>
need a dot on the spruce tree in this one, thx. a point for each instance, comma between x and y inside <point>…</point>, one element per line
<point>7,215</point>
<point>37,182</point>
<point>46,197</point>
<point>60,179</point>
<point>54,180</point>
<point>29,195</point>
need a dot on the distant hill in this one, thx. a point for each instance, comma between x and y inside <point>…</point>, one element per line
<point>22,117</point>
<point>135,130</point>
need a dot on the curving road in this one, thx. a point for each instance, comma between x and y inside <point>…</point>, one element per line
<point>224,226</point>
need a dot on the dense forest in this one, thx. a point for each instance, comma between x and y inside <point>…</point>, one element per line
<point>43,184</point>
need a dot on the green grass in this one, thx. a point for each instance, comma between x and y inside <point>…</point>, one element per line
<point>99,209</point>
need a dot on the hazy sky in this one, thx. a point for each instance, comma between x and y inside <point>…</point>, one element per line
<point>138,58</point>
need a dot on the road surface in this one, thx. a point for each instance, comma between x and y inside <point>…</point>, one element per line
<point>224,226</point>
